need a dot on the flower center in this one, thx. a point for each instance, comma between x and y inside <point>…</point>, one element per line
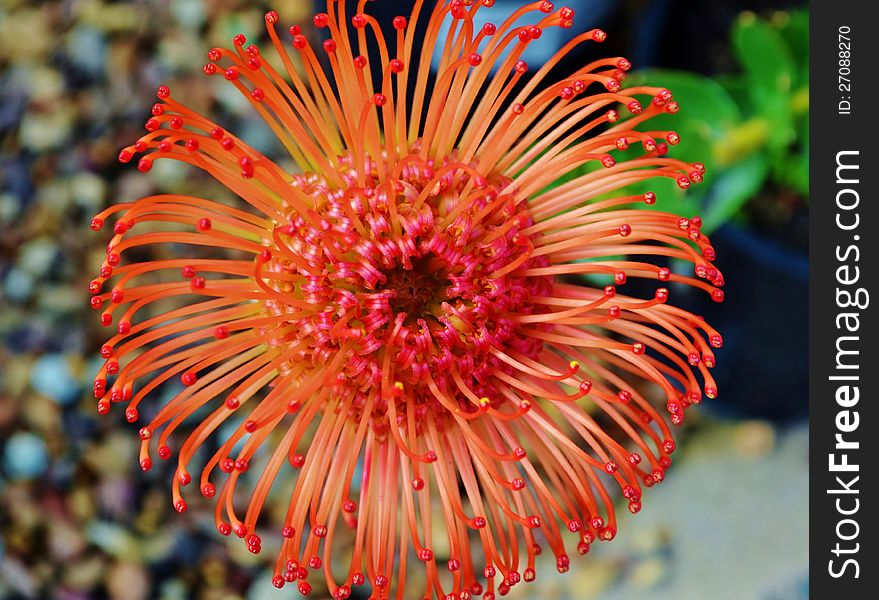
<point>417,292</point>
<point>407,279</point>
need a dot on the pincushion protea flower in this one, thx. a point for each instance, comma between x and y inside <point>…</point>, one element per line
<point>393,324</point>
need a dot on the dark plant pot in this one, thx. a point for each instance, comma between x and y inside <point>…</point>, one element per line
<point>763,369</point>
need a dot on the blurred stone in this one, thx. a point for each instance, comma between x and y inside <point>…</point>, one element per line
<point>42,415</point>
<point>86,47</point>
<point>65,541</point>
<point>44,85</point>
<point>18,577</point>
<point>81,503</point>
<point>189,13</point>
<point>293,11</point>
<point>55,196</point>
<point>168,174</point>
<point>116,497</point>
<point>24,24</point>
<point>8,412</point>
<point>25,456</point>
<point>42,131</point>
<point>18,285</point>
<point>127,581</point>
<point>119,91</point>
<point>754,439</point>
<point>229,23</point>
<point>88,190</point>
<point>648,573</point>
<point>133,185</point>
<point>183,53</point>
<point>37,256</point>
<point>262,588</point>
<point>650,540</point>
<point>232,100</point>
<point>173,589</point>
<point>162,544</point>
<point>115,455</point>
<point>60,299</point>
<point>52,376</point>
<point>15,178</point>
<point>115,17</point>
<point>213,572</point>
<point>85,573</point>
<point>258,135</point>
<point>16,375</point>
<point>154,508</point>
<point>10,207</point>
<point>62,593</point>
<point>113,539</point>
<point>240,554</point>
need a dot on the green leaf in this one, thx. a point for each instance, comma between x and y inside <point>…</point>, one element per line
<point>794,28</point>
<point>770,72</point>
<point>792,171</point>
<point>707,114</point>
<point>736,86</point>
<point>800,171</point>
<point>707,111</point>
<point>797,175</point>
<point>732,189</point>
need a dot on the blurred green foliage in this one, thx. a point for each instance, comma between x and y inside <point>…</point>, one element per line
<point>750,128</point>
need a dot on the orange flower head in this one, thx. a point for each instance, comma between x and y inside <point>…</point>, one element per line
<point>396,328</point>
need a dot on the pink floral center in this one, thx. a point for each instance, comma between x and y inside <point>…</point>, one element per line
<point>425,264</point>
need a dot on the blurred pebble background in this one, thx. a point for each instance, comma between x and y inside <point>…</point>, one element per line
<point>80,521</point>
